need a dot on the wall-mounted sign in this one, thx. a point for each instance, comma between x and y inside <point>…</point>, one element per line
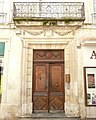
<point>90,85</point>
<point>93,56</point>
<point>67,79</point>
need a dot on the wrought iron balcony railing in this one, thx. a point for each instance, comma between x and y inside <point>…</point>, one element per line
<point>48,10</point>
<point>3,17</point>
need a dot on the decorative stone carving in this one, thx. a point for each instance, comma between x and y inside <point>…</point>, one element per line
<point>50,32</point>
<point>34,33</point>
<point>49,55</point>
<point>66,31</point>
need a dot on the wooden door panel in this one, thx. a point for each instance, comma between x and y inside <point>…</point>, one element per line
<point>40,89</point>
<point>56,100</point>
<point>41,71</point>
<point>40,104</point>
<point>56,78</point>
<point>56,103</point>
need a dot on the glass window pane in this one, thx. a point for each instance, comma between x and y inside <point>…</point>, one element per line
<point>2,47</point>
<point>94,1</point>
<point>95,7</point>
<point>1,7</point>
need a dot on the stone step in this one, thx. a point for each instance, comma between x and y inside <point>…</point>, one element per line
<point>52,116</point>
<point>49,116</point>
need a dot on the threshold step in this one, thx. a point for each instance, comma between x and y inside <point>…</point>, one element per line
<point>48,115</point>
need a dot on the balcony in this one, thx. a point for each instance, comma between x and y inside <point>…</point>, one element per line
<point>50,11</point>
<point>2,18</point>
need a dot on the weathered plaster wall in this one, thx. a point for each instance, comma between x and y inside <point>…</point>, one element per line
<point>12,73</point>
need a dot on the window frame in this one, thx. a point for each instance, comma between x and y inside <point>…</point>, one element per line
<point>89,91</point>
<point>2,55</point>
<point>2,13</point>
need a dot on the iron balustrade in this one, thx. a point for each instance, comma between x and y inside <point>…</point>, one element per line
<point>49,10</point>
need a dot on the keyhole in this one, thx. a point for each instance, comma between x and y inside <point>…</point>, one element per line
<point>40,78</point>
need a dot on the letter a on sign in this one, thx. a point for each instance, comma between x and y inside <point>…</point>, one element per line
<point>93,56</point>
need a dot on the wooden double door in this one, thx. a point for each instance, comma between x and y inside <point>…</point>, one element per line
<point>48,82</point>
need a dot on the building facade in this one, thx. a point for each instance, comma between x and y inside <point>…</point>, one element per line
<point>49,57</point>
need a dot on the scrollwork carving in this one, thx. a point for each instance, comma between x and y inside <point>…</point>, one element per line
<point>66,31</point>
<point>50,32</point>
<point>35,33</point>
<point>48,55</point>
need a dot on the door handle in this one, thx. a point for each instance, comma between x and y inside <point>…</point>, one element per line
<point>56,85</point>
